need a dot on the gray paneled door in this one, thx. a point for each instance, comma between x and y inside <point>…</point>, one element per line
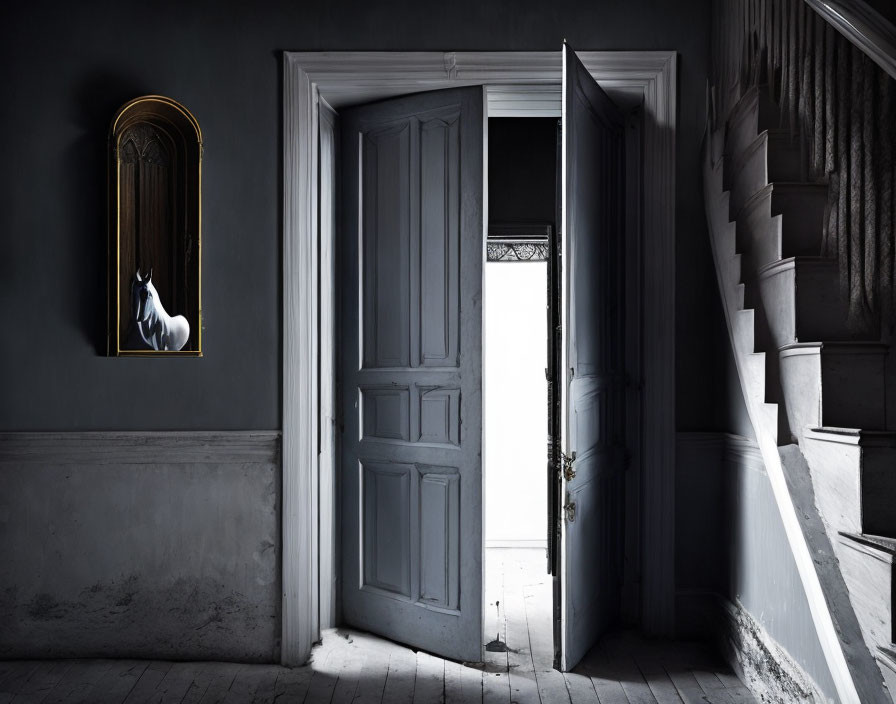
<point>593,428</point>
<point>411,355</point>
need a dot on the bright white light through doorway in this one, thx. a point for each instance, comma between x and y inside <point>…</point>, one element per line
<point>515,404</point>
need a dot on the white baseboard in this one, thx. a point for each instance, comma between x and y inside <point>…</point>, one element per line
<point>542,544</point>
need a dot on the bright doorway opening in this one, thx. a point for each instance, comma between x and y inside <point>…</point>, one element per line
<point>516,412</point>
<point>518,622</point>
<point>522,192</point>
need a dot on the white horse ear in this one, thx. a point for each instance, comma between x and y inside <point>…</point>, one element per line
<point>149,278</point>
<point>138,276</point>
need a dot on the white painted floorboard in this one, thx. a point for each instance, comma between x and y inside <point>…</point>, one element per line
<point>359,668</point>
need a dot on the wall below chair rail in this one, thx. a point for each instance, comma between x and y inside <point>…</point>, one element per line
<point>142,544</point>
<point>736,579</point>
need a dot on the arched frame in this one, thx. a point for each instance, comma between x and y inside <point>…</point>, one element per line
<point>171,206</point>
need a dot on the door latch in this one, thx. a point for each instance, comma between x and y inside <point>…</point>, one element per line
<point>566,465</point>
<point>570,510</point>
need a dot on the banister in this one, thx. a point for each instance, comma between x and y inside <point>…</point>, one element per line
<point>864,27</point>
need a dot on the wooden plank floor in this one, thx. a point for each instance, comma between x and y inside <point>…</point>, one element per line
<point>349,666</point>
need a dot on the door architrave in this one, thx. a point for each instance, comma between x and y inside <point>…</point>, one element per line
<point>518,83</point>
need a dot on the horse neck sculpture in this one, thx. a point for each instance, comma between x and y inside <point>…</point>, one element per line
<point>154,327</point>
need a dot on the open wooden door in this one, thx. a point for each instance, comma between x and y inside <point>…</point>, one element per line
<point>593,430</point>
<point>411,354</point>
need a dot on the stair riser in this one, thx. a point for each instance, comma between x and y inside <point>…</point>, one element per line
<point>760,237</point>
<point>773,422</point>
<point>835,479</point>
<point>854,485</point>
<point>768,160</point>
<point>853,390</point>
<point>869,578</point>
<point>733,267</point>
<point>877,486</point>
<point>834,388</point>
<point>802,303</point>
<point>802,214</point>
<point>755,367</point>
<point>756,113</point>
<point>744,327</point>
<point>782,223</point>
<point>726,246</point>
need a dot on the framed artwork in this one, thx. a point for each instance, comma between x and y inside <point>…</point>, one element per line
<point>155,225</point>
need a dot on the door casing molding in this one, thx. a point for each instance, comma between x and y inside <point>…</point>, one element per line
<point>345,78</point>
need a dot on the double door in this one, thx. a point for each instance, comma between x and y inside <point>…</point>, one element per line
<point>410,261</point>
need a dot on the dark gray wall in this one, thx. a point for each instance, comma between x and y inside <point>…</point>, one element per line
<point>67,67</point>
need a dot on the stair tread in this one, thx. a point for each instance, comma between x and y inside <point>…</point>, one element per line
<point>806,259</point>
<point>877,542</point>
<point>781,187</point>
<point>780,133</point>
<point>855,345</point>
<point>853,435</point>
<point>888,655</point>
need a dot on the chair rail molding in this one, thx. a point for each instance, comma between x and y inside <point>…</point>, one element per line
<point>344,78</point>
<point>140,447</point>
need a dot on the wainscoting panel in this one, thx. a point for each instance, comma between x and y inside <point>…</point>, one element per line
<point>162,545</point>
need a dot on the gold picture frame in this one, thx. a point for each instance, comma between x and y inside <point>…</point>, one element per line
<point>155,230</point>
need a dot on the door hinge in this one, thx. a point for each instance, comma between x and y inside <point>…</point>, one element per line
<point>566,465</point>
<point>570,510</point>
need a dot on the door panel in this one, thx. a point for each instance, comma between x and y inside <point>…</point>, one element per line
<point>593,235</point>
<point>410,360</point>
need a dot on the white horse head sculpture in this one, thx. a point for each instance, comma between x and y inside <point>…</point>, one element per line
<point>157,329</point>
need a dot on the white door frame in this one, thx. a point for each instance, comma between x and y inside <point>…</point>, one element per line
<point>343,78</point>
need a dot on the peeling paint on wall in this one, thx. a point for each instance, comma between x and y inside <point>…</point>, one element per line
<point>764,666</point>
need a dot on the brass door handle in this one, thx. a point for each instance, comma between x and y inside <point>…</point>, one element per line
<point>566,464</point>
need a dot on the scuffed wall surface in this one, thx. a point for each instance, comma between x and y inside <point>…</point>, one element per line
<point>170,554</point>
<point>766,668</point>
<point>763,575</point>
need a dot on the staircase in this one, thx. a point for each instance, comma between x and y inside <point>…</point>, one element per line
<point>815,389</point>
